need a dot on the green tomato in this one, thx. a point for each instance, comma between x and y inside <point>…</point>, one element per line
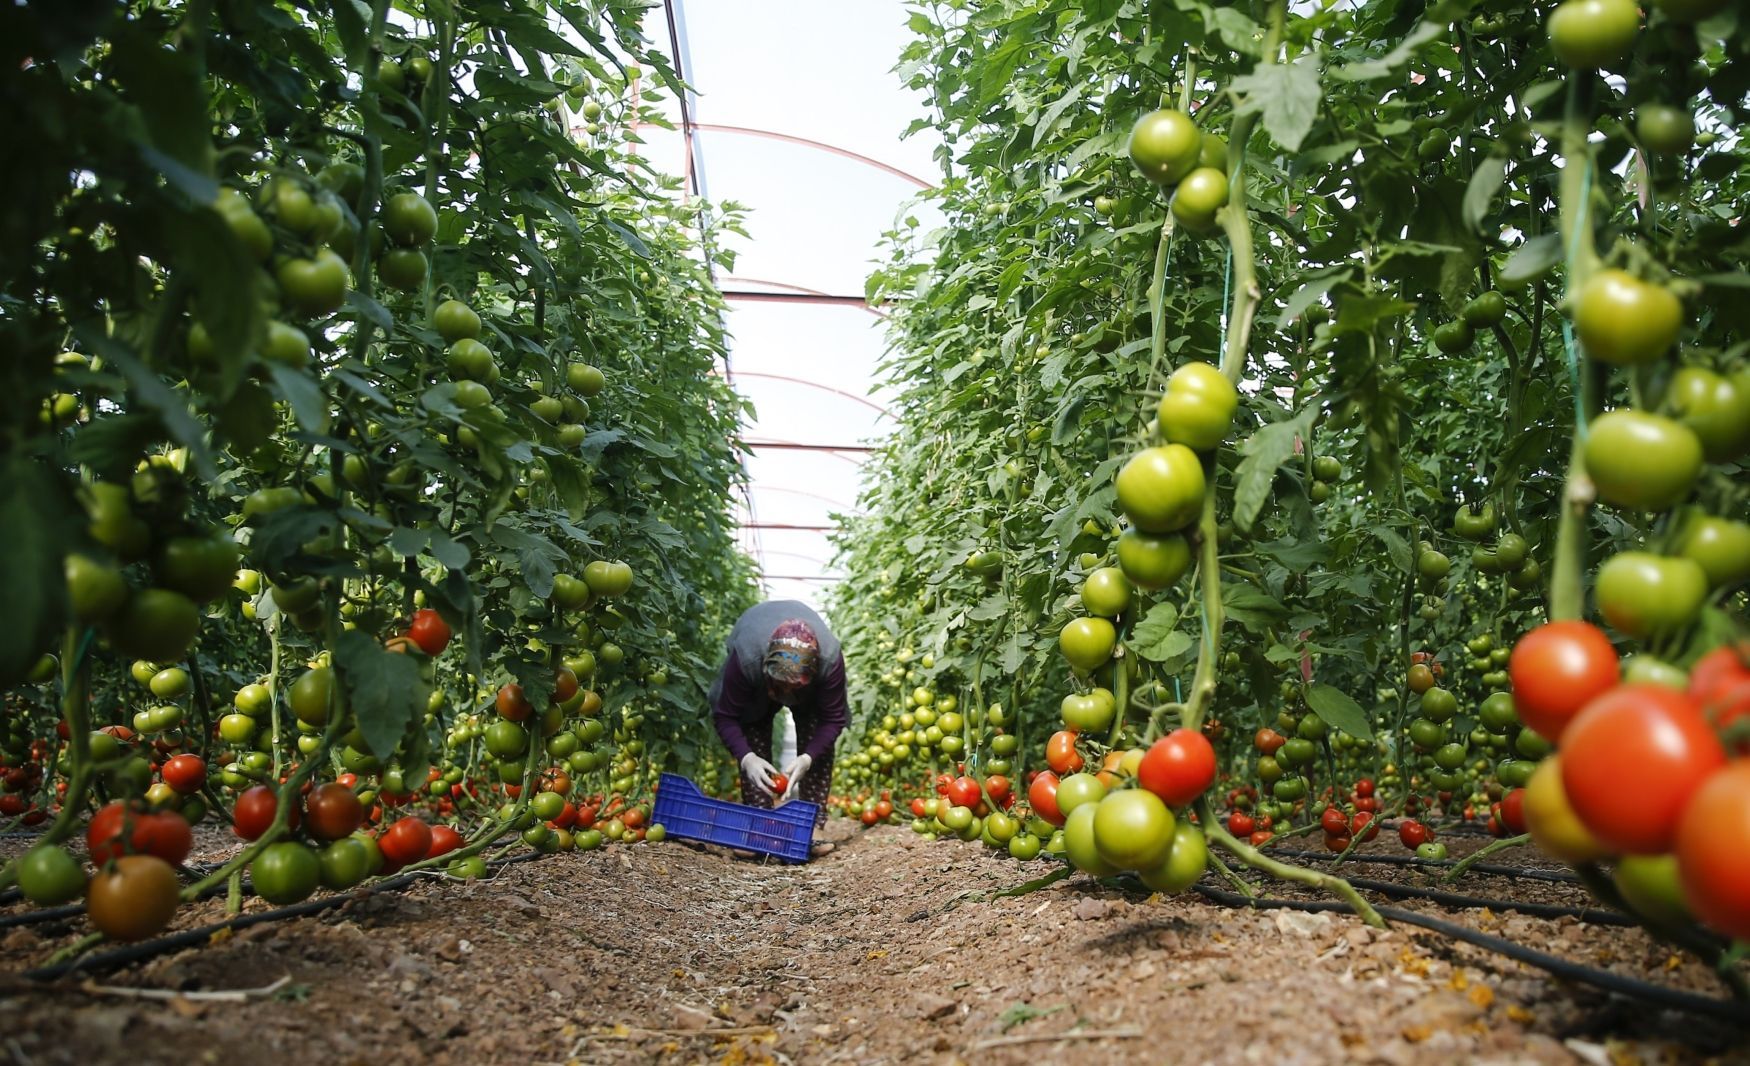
<point>1024,846</point>
<point>1497,712</point>
<point>1665,130</point>
<point>1106,592</point>
<point>1165,145</point>
<point>344,863</point>
<point>1080,842</point>
<point>1619,318</point>
<point>409,218</point>
<point>1485,310</point>
<point>1153,562</point>
<point>1721,547</point>
<point>315,286</point>
<point>1642,461</point>
<point>1587,34</point>
<point>1197,408</point>
<point>1088,643</point>
<point>96,590</point>
<point>456,321</point>
<point>1650,885</point>
<point>1133,829</point>
<point>1200,196</point>
<point>1426,734</point>
<point>1454,336</point>
<point>285,872</point>
<point>1183,865</point>
<point>1472,524</point>
<point>1716,408</point>
<point>1439,704</point>
<point>200,567</point>
<point>403,269</point>
<point>50,875</point>
<point>1644,595</point>
<point>1161,489</point>
<point>1079,790</point>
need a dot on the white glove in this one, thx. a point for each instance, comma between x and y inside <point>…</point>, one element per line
<point>794,772</point>
<point>758,771</point>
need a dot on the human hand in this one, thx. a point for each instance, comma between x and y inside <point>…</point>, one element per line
<point>758,771</point>
<point>794,772</point>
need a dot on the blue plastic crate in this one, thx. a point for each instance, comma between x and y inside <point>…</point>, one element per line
<point>786,831</point>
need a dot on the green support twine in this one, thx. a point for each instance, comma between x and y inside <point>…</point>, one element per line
<point>1568,345</point>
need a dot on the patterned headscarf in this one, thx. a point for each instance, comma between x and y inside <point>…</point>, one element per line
<point>792,654</point>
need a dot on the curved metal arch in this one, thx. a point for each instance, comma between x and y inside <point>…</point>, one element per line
<point>884,412</point>
<point>806,142</point>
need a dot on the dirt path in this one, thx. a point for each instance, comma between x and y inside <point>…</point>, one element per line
<point>887,951</point>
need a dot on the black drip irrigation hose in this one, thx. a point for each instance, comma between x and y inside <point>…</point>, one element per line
<point>1558,876</point>
<point>132,953</point>
<point>1729,1011</point>
<point>1594,915</point>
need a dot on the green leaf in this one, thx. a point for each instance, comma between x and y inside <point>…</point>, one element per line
<point>383,687</point>
<point>36,524</point>
<point>300,390</point>
<point>1396,547</point>
<point>1285,95</point>
<point>1389,63</point>
<point>1484,183</point>
<point>1532,260</point>
<point>1156,629</point>
<point>1263,453</point>
<point>154,395</point>
<point>1338,710</point>
<point>1251,607</point>
<point>1309,293</point>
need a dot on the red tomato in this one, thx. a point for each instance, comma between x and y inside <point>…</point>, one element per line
<point>1364,826</point>
<point>1042,795</point>
<point>1061,754</point>
<point>997,787</point>
<point>254,812</point>
<point>333,811</point>
<point>444,840</point>
<point>1364,787</point>
<point>1557,669</point>
<point>1720,684</point>
<point>883,808</point>
<point>963,792</point>
<point>1336,843</point>
<point>869,817</point>
<point>1261,837</point>
<point>1513,810</point>
<point>1334,822</point>
<point>1241,824</point>
<point>780,783</point>
<point>512,704</point>
<point>1632,759</point>
<point>1178,767</point>
<point>1413,834</point>
<point>1713,851</point>
<point>917,808</point>
<point>1268,741</point>
<point>429,631</point>
<point>185,773</point>
<point>164,834</point>
<point>408,840</point>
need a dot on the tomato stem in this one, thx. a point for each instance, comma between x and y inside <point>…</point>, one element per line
<point>1257,860</point>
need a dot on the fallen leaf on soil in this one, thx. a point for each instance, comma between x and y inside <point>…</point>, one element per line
<point>1302,924</point>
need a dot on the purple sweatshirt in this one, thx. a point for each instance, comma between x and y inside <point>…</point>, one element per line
<point>738,698</point>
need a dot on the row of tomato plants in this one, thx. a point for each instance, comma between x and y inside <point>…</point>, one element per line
<point>1360,342</point>
<point>367,468</point>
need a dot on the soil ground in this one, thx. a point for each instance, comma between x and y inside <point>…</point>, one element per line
<point>890,950</point>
